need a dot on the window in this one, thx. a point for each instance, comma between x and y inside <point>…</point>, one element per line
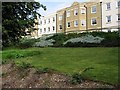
<point>53,19</point>
<point>44,29</point>
<point>44,21</point>
<point>94,9</point>
<point>108,6</point>
<point>68,13</point>
<point>108,18</point>
<point>118,3</point>
<point>60,17</point>
<point>40,22</point>
<point>93,21</point>
<point>76,12</point>
<point>68,24</point>
<point>118,17</point>
<point>82,11</point>
<point>48,29</point>
<point>48,20</point>
<point>76,23</point>
<point>53,28</point>
<point>40,30</point>
<point>60,26</point>
<point>83,23</point>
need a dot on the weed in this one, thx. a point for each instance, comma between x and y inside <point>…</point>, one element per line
<point>77,78</point>
<point>44,70</point>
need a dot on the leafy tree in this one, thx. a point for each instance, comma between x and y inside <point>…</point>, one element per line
<point>16,18</point>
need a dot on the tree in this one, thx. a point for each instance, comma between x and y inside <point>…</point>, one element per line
<point>16,18</point>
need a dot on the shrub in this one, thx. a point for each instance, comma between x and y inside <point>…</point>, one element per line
<point>78,77</point>
<point>24,65</point>
<point>44,43</point>
<point>26,43</point>
<point>87,40</point>
<point>110,39</point>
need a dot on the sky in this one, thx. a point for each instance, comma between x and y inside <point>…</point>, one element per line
<point>54,5</point>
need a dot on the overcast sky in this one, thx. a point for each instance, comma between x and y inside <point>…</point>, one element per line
<point>54,5</point>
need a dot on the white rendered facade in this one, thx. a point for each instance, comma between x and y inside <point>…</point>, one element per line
<point>110,15</point>
<point>47,25</point>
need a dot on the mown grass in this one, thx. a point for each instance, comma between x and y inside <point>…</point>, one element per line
<point>70,60</point>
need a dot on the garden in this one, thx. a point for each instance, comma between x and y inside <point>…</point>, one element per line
<point>75,59</point>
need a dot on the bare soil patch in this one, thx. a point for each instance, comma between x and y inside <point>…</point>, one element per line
<point>12,77</point>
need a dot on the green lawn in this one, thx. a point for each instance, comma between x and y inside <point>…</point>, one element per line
<point>70,60</point>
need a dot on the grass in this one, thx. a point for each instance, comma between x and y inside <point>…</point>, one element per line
<point>71,60</point>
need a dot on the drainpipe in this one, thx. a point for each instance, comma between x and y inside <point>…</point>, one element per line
<point>86,19</point>
<point>101,14</point>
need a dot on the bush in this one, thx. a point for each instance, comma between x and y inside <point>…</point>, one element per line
<point>110,39</point>
<point>77,78</point>
<point>24,65</point>
<point>87,40</point>
<point>44,43</point>
<point>26,43</point>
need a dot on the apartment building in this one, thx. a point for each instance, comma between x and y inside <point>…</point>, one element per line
<point>80,17</point>
<point>61,20</point>
<point>47,24</point>
<point>110,15</point>
<point>93,16</point>
<point>76,17</point>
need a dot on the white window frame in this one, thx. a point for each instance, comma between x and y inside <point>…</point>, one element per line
<point>53,28</point>
<point>48,29</point>
<point>44,21</point>
<point>60,17</point>
<point>118,17</point>
<point>41,22</point>
<point>49,20</point>
<point>92,21</point>
<point>53,19</point>
<point>107,6</point>
<point>118,4</point>
<point>107,19</point>
<point>75,12</point>
<point>59,26</point>
<point>44,30</point>
<point>83,22</point>
<point>68,13</point>
<point>92,9</point>
<point>68,24</point>
<point>40,30</point>
<point>76,23</point>
<point>83,11</point>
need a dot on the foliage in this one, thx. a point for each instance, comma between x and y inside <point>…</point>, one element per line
<point>78,77</point>
<point>16,18</point>
<point>0,45</point>
<point>13,54</point>
<point>24,65</point>
<point>44,70</point>
<point>84,39</point>
<point>26,43</point>
<point>111,39</point>
<point>59,39</point>
<point>44,43</point>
